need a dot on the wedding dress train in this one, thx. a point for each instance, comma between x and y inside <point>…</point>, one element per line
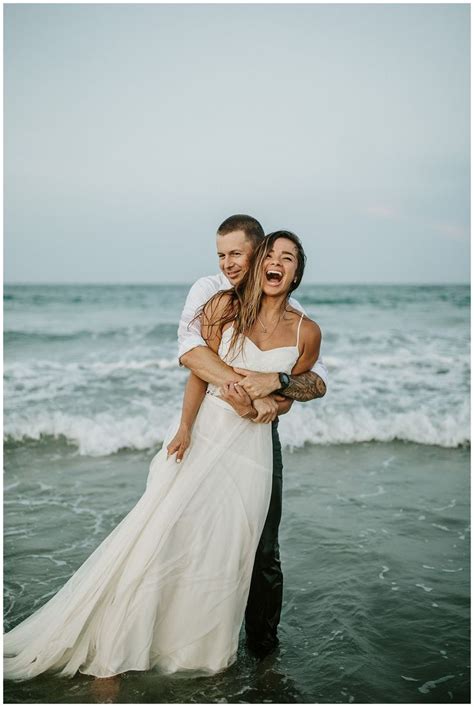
<point>167,588</point>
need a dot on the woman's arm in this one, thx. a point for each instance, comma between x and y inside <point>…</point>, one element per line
<point>310,342</point>
<point>196,387</point>
<point>193,396</point>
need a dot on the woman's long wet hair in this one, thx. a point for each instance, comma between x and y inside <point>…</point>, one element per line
<point>243,305</point>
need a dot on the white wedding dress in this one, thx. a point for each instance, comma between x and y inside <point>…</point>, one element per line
<point>168,587</point>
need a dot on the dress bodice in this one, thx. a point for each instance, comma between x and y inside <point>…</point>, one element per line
<point>253,358</point>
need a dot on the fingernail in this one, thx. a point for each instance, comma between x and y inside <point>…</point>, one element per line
<point>178,461</point>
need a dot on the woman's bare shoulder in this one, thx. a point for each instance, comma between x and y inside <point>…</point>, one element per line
<point>294,314</point>
<point>310,331</point>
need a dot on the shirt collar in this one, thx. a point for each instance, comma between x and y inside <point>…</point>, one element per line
<point>226,284</point>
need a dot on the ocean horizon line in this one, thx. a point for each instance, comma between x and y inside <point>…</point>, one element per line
<point>188,283</point>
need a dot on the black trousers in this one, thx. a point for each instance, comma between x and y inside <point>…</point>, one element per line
<point>262,614</point>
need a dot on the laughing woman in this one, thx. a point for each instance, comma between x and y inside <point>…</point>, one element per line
<point>168,587</point>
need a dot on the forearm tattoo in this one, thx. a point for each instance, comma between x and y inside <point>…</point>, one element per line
<point>306,386</point>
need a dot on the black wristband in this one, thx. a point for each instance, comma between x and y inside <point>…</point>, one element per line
<point>284,382</point>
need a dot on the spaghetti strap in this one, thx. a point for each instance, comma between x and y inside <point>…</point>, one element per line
<point>298,332</point>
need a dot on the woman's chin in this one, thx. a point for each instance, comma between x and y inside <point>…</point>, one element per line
<point>274,290</point>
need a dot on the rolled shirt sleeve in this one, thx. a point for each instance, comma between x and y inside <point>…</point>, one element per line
<point>189,329</point>
<point>320,369</point>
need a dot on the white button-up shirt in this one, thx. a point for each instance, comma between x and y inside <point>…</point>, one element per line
<point>189,331</point>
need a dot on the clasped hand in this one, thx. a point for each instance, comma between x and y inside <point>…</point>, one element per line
<point>256,384</point>
<point>264,410</point>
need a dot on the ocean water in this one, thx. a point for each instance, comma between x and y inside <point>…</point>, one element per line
<point>375,534</point>
<point>97,365</point>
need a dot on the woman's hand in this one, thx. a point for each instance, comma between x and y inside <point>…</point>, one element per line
<point>236,396</point>
<point>267,409</point>
<point>284,404</point>
<point>179,443</point>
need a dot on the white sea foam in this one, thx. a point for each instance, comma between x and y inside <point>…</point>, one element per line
<point>306,424</point>
<point>95,436</point>
<point>107,432</point>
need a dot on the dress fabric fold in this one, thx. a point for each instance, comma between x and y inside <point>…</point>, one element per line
<point>167,588</point>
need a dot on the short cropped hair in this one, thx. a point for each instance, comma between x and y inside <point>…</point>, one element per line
<point>241,222</point>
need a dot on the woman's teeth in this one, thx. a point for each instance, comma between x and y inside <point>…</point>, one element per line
<point>274,275</point>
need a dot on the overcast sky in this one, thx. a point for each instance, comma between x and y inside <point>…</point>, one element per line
<point>132,131</point>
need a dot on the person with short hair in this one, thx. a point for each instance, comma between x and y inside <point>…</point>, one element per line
<point>237,238</point>
<point>168,587</point>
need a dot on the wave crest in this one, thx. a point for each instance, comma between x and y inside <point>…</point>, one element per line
<point>105,434</point>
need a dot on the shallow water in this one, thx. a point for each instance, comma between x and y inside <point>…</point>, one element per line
<point>375,552</point>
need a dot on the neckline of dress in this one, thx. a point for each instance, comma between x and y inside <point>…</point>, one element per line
<point>277,348</point>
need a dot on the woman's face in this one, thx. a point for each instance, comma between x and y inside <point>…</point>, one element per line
<point>279,267</point>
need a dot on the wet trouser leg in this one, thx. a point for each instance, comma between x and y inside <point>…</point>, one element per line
<point>263,610</point>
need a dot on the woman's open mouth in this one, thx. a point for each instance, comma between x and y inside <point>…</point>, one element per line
<point>274,276</point>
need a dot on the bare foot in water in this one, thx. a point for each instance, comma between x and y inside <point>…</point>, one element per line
<point>106,690</point>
